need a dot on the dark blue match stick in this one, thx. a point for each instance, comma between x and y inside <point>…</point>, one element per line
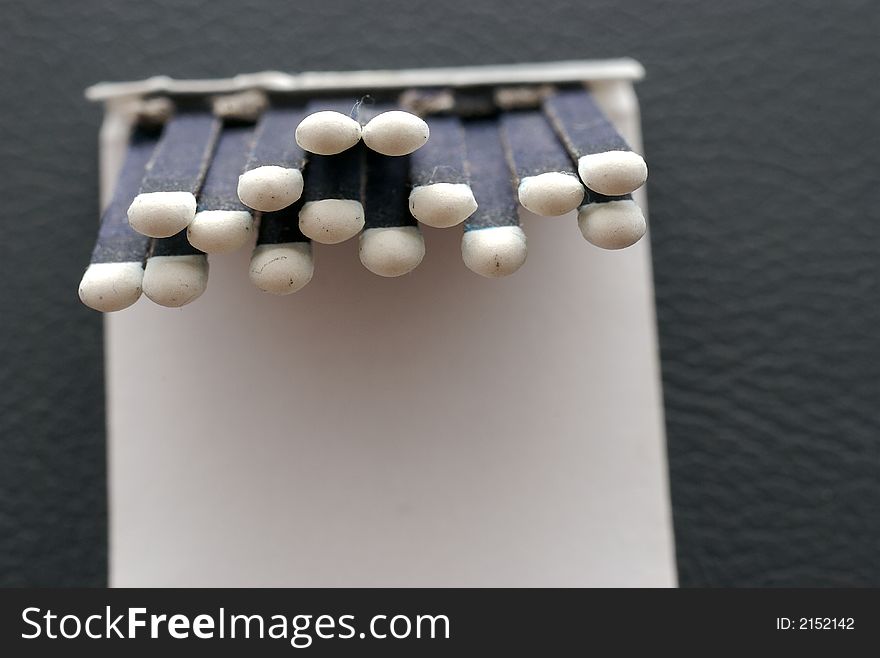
<point>441,194</point>
<point>333,211</point>
<point>545,178</point>
<point>493,244</point>
<point>606,163</point>
<point>114,279</point>
<point>391,244</point>
<point>282,259</point>
<point>166,203</point>
<point>222,222</point>
<point>273,178</point>
<point>611,222</point>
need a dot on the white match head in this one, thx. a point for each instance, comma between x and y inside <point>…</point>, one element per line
<point>613,173</point>
<point>330,221</point>
<point>108,287</point>
<point>392,251</point>
<point>328,132</point>
<point>551,194</point>
<point>281,269</point>
<point>175,280</point>
<point>220,231</point>
<point>161,214</point>
<point>612,225</point>
<point>494,252</point>
<point>270,187</point>
<point>396,133</point>
<point>442,205</point>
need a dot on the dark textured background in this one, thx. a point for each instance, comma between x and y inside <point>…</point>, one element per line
<point>762,128</point>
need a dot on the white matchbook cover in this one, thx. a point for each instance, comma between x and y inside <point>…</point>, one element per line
<point>439,429</point>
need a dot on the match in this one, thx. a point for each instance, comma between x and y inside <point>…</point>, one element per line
<point>493,244</point>
<point>114,278</point>
<point>166,203</point>
<point>611,222</point>
<point>332,211</point>
<point>605,162</point>
<point>391,131</point>
<point>546,182</point>
<point>222,222</point>
<point>281,262</point>
<point>272,177</point>
<point>441,194</point>
<point>328,127</point>
<point>391,244</point>
<point>176,273</point>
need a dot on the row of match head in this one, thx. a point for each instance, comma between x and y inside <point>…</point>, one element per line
<point>390,252</point>
<point>282,269</point>
<point>612,225</point>
<point>443,205</point>
<point>331,221</point>
<point>270,188</point>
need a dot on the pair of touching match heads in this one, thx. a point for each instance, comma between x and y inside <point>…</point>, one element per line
<point>392,132</point>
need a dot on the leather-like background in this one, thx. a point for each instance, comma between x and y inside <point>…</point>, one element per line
<point>761,129</point>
